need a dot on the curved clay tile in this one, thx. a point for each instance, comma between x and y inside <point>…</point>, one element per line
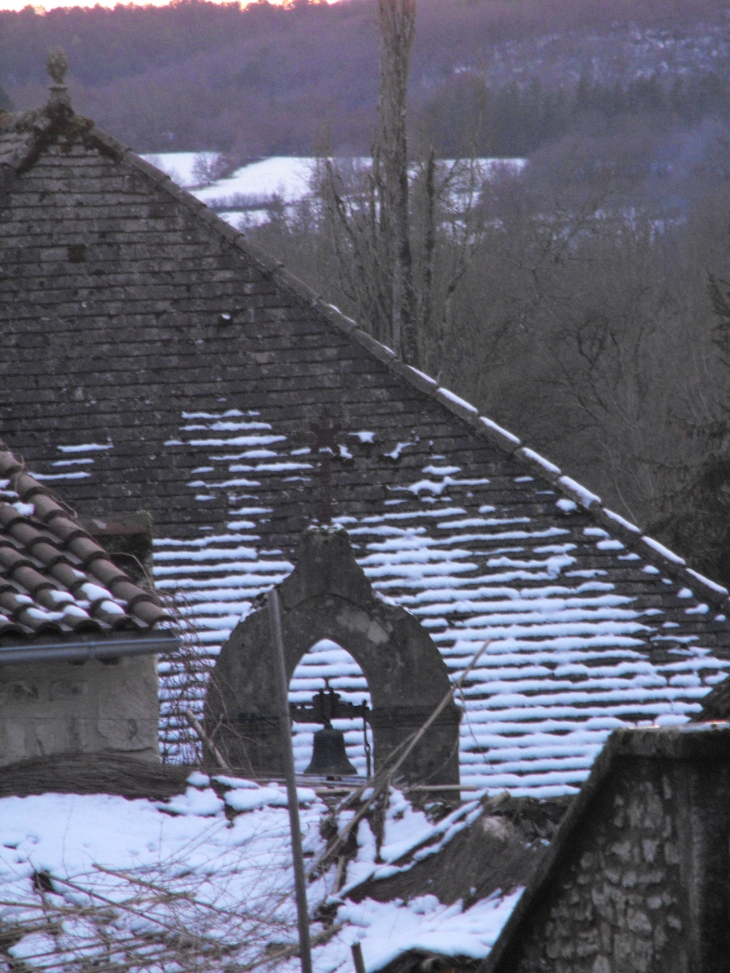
<point>66,529</point>
<point>109,574</point>
<point>85,549</point>
<point>46,507</point>
<point>30,579</point>
<point>11,559</point>
<point>42,550</point>
<point>54,576</point>
<point>9,516</point>
<point>26,486</point>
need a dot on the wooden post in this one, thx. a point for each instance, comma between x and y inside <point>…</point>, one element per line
<point>357,958</point>
<point>282,692</point>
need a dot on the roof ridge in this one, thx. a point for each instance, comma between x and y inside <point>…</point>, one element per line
<point>629,534</point>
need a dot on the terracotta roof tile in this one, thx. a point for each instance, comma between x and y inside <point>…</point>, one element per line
<point>66,530</point>
<point>66,574</point>
<point>54,577</point>
<point>110,574</point>
<point>46,508</point>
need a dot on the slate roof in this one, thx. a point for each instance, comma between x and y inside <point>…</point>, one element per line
<point>154,359</point>
<point>16,137</point>
<point>55,580</point>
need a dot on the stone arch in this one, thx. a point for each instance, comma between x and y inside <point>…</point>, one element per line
<point>328,596</point>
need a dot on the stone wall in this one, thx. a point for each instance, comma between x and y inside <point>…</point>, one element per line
<point>64,707</point>
<point>639,878</point>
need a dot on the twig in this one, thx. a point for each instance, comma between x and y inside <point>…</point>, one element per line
<point>206,740</point>
<point>382,780</point>
<point>321,937</point>
<point>439,709</point>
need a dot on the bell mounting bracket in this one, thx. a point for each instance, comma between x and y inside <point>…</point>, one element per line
<point>327,705</point>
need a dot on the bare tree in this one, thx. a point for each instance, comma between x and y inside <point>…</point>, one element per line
<point>397,22</point>
<point>403,233</point>
<point>372,234</point>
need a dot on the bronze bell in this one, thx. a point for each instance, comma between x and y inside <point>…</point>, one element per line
<point>329,757</point>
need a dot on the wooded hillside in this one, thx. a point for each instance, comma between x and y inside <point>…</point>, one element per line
<point>502,76</point>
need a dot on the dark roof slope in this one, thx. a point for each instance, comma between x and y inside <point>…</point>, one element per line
<point>55,580</point>
<point>153,359</point>
<point>14,142</point>
<point>715,706</point>
<point>496,851</point>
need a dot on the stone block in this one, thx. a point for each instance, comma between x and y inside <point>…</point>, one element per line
<point>638,922</point>
<point>62,707</point>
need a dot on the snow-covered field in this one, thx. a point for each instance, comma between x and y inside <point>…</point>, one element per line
<point>179,166</point>
<point>204,882</point>
<point>244,198</point>
<point>286,176</point>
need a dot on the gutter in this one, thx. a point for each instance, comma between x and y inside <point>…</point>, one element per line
<point>81,651</point>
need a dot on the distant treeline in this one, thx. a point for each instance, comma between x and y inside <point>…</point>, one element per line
<point>269,79</point>
<point>465,114</point>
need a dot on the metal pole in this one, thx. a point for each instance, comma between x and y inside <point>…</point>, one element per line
<point>282,692</point>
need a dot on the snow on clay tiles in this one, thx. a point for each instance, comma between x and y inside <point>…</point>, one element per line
<point>54,578</point>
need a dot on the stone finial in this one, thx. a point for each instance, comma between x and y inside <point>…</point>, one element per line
<point>57,66</point>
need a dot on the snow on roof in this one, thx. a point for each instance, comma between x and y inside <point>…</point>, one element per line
<point>574,654</point>
<point>54,578</point>
<point>206,876</point>
<point>221,361</point>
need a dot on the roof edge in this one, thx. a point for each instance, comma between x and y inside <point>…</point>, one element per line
<point>51,510</point>
<point>629,534</point>
<point>80,651</point>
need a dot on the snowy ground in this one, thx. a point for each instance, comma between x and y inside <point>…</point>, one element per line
<point>244,198</point>
<point>179,166</point>
<point>203,881</point>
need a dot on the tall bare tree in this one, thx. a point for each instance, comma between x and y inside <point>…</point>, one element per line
<point>397,22</point>
<point>403,234</point>
<point>371,227</point>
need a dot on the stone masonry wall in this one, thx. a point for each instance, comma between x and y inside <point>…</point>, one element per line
<point>620,903</point>
<point>640,879</point>
<point>64,707</point>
